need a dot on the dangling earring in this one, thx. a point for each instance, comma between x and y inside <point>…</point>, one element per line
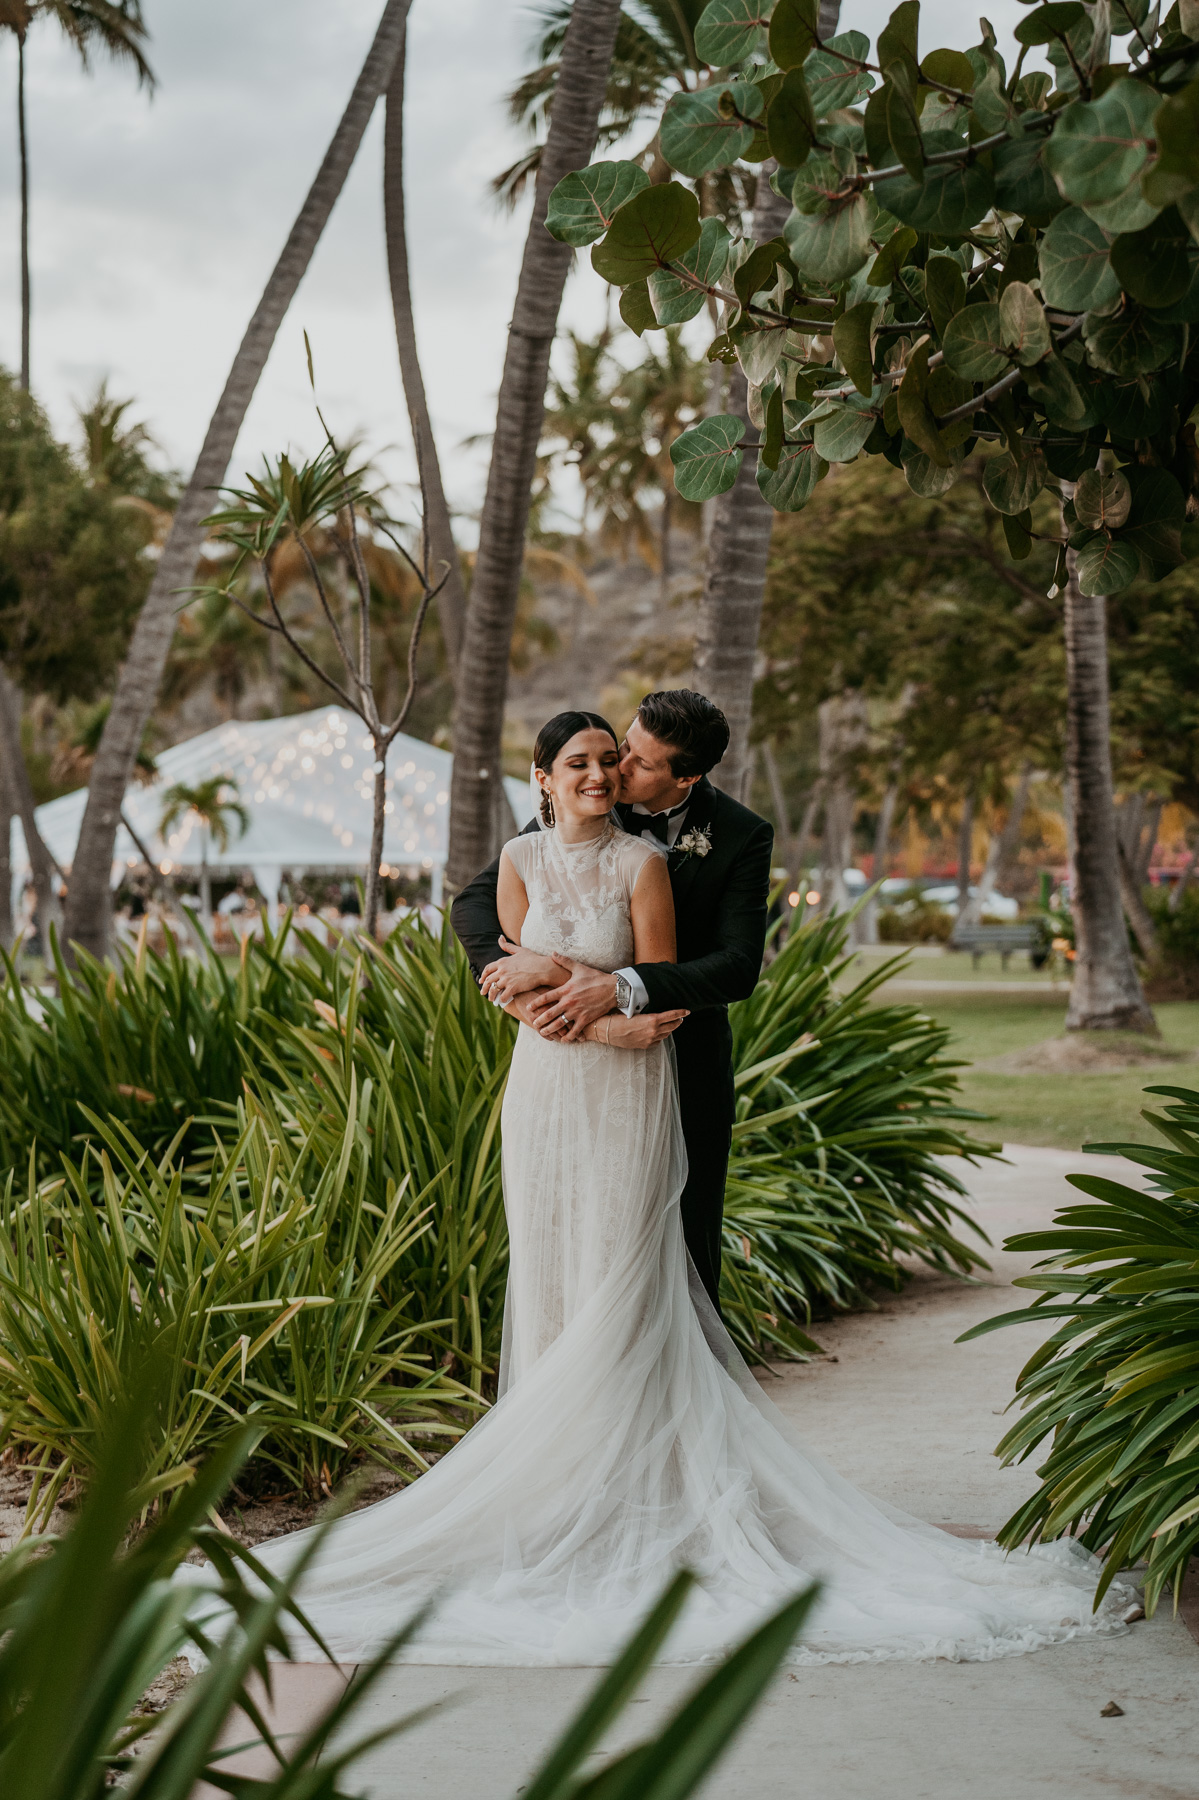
<point>547,808</point>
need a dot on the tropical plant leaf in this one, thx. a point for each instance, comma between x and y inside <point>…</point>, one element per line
<point>1175,173</point>
<point>949,69</point>
<point>1017,529</point>
<point>852,342</point>
<point>636,307</point>
<point>1102,500</point>
<point>1023,185</point>
<point>832,82</point>
<point>707,456</point>
<point>892,256</point>
<point>831,246</point>
<point>944,290</point>
<point>1049,22</point>
<point>915,414</point>
<point>790,121</point>
<point>584,203</point>
<point>1106,564</point>
<point>1076,274</point>
<point>951,197</point>
<point>1100,147</point>
<point>974,344</point>
<point>1012,483</point>
<point>675,301</point>
<point>841,434</point>
<point>800,466</point>
<point>1154,265</point>
<point>711,129</point>
<point>1131,342</point>
<point>1023,323</point>
<point>792,32</point>
<point>927,478</point>
<point>650,230</point>
<point>729,30</point>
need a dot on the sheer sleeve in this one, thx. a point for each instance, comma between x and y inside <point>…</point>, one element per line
<point>635,852</point>
<point>522,852</point>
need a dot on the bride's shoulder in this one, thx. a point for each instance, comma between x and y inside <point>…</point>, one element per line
<point>523,851</point>
<point>632,854</point>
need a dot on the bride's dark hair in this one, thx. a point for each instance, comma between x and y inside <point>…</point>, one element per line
<point>552,739</point>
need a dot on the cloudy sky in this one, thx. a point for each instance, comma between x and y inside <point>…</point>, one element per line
<point>155,221</point>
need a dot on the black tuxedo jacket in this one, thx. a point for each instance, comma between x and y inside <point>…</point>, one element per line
<point>719,902</point>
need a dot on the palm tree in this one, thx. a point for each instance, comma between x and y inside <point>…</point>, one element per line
<point>215,804</point>
<point>1105,994</point>
<point>482,685</point>
<point>113,25</point>
<point>88,903</point>
<point>451,602</point>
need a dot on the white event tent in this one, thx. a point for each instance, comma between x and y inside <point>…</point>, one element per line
<point>307,784</point>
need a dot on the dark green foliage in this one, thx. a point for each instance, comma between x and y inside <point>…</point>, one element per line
<point>1116,1385</point>
<point>993,183</point>
<point>88,1622</point>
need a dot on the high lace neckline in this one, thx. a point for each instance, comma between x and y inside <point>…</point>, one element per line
<point>593,843</point>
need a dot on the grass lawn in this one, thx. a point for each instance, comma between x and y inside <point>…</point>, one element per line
<point>1062,1110</point>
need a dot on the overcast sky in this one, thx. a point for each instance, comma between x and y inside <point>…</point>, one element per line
<point>155,221</point>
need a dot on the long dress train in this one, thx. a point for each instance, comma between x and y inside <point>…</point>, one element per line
<point>630,1438</point>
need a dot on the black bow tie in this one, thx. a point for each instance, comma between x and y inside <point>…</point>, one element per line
<point>657,824</point>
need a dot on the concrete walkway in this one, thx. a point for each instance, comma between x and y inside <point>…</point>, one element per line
<point>913,1418</point>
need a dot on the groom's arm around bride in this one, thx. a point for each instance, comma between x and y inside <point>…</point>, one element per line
<point>719,861</point>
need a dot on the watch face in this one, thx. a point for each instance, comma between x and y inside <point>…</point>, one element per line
<point>623,991</point>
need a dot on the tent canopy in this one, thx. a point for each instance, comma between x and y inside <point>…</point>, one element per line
<point>307,784</point>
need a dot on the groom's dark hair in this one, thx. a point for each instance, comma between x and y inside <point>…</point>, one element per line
<point>696,731</point>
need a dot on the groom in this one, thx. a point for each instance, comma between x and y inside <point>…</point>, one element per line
<point>720,874</point>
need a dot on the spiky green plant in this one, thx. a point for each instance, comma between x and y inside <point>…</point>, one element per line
<point>1115,1387</point>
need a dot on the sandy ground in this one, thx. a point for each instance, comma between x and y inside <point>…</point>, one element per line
<point>913,1417</point>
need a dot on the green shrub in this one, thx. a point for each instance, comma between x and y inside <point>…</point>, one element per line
<point>1116,1386</point>
<point>88,1623</point>
<point>1174,973</point>
<point>843,1108</point>
<point>916,922</point>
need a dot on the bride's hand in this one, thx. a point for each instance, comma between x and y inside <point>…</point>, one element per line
<point>640,1032</point>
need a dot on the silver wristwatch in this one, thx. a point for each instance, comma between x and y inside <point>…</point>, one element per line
<point>624,994</point>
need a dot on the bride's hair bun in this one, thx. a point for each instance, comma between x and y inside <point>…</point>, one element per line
<point>552,739</point>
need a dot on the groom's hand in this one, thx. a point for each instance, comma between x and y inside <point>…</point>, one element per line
<point>517,972</point>
<point>586,996</point>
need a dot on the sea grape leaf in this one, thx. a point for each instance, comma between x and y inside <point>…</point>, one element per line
<point>636,307</point>
<point>1075,270</point>
<point>951,198</point>
<point>649,231</point>
<point>1023,184</point>
<point>1099,147</point>
<point>944,290</point>
<point>1130,211</point>
<point>697,136</point>
<point>1025,327</point>
<point>892,256</point>
<point>832,82</point>
<point>945,393</point>
<point>1053,387</point>
<point>1154,265</point>
<point>851,340</point>
<point>1176,128</point>
<point>728,30</point>
<point>707,457</point>
<point>1017,529</point>
<point>902,125</point>
<point>1155,519</point>
<point>1106,564</point>
<point>973,343</point>
<point>760,353</point>
<point>915,413</point>
<point>1102,499</point>
<point>952,68</point>
<point>840,436</point>
<point>1047,23</point>
<point>583,204</point>
<point>790,121</point>
<point>1012,483</point>
<point>675,301</point>
<point>789,487</point>
<point>772,438</point>
<point>792,32</point>
<point>757,270</point>
<point>926,477</point>
<point>1131,342</point>
<point>817,183</point>
<point>829,247</point>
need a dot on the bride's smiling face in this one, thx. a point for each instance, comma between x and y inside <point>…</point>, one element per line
<point>585,778</point>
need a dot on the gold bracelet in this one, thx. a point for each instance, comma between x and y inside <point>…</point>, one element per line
<point>608,1033</point>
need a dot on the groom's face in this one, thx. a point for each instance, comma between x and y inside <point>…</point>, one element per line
<point>646,776</point>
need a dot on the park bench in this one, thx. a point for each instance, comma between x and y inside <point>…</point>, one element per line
<point>978,939</point>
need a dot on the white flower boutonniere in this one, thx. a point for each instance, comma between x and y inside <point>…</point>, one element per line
<point>695,843</point>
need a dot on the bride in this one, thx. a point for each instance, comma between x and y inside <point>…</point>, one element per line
<point>629,1438</point>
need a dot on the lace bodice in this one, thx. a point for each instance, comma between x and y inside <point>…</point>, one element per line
<point>580,894</point>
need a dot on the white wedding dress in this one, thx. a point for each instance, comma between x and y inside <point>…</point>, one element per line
<point>629,1438</point>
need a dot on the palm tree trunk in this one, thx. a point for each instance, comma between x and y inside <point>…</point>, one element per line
<point>88,907</point>
<point>491,609</point>
<point>42,863</point>
<point>730,611</point>
<point>23,148</point>
<point>8,809</point>
<point>1105,994</point>
<point>451,602</point>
